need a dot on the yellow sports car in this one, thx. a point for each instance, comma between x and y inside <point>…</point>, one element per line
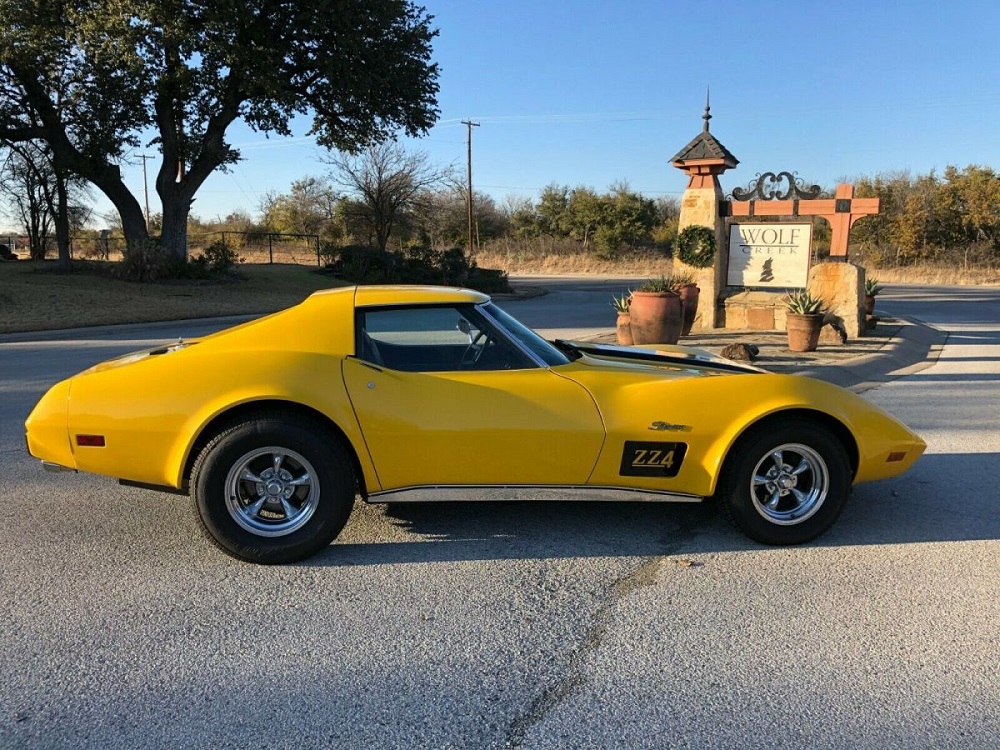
<point>400,392</point>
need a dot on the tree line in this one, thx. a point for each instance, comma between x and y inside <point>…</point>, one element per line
<point>952,217</point>
<point>388,198</point>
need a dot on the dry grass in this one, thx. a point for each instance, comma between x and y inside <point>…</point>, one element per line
<point>35,296</point>
<point>556,257</point>
<point>936,275</point>
<point>564,257</point>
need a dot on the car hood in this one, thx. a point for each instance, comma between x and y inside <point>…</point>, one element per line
<point>139,356</point>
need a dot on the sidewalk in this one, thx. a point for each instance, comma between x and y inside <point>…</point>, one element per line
<point>895,347</point>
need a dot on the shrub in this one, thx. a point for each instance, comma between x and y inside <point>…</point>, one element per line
<point>221,258</point>
<point>413,265</point>
<point>144,262</point>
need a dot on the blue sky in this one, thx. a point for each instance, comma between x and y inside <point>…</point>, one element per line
<point>588,93</point>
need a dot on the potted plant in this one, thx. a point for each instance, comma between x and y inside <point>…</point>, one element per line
<point>656,315</point>
<point>623,328</point>
<point>872,288</point>
<point>685,286</point>
<point>803,321</point>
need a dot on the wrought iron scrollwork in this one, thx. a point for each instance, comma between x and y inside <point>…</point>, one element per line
<point>767,186</point>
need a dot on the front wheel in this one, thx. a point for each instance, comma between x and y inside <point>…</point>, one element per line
<point>271,489</point>
<point>786,484</point>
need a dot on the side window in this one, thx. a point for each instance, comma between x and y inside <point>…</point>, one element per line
<point>434,339</point>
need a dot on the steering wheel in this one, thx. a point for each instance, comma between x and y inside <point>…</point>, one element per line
<point>471,355</point>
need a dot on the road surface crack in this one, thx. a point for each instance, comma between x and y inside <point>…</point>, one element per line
<point>645,574</point>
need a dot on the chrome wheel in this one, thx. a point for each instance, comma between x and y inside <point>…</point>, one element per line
<point>789,484</point>
<point>272,491</point>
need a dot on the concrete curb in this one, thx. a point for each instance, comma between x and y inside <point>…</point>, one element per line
<point>170,327</point>
<point>916,346</point>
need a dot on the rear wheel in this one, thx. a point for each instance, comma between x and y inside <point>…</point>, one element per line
<point>786,483</point>
<point>273,488</point>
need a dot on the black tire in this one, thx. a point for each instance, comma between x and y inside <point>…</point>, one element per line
<point>793,502</point>
<point>298,500</point>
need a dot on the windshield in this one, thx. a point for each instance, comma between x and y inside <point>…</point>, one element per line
<point>528,338</point>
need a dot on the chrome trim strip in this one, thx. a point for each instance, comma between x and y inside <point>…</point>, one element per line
<point>509,337</point>
<point>518,492</point>
<point>55,468</point>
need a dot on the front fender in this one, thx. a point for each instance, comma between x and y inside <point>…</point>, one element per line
<point>709,413</point>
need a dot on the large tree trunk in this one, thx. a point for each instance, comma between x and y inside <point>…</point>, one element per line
<point>173,237</point>
<point>107,179</point>
<point>133,222</point>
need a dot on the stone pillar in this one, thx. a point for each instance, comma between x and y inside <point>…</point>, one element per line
<point>842,288</point>
<point>703,160</point>
<point>700,207</point>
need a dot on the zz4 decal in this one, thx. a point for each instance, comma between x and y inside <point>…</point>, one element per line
<point>652,459</point>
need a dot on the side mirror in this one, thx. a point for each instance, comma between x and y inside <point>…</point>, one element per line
<point>464,327</point>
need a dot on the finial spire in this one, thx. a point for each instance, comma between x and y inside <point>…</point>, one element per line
<point>708,108</point>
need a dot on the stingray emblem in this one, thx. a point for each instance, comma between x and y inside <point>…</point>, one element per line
<point>667,427</point>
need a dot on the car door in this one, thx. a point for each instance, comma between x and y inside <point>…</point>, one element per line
<point>444,398</point>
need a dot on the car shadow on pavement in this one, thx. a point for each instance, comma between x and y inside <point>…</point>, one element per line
<point>937,501</point>
<point>476,531</point>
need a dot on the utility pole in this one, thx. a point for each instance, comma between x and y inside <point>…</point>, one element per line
<point>470,126</point>
<point>145,188</point>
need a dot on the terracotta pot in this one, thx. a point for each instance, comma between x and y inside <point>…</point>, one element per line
<point>623,329</point>
<point>869,304</point>
<point>656,317</point>
<point>689,300</point>
<point>803,331</point>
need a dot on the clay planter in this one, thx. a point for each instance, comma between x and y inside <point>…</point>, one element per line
<point>803,331</point>
<point>656,317</point>
<point>869,304</point>
<point>689,300</point>
<point>623,329</point>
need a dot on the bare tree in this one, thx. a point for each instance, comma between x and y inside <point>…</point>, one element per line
<point>41,196</point>
<point>384,180</point>
<point>24,195</point>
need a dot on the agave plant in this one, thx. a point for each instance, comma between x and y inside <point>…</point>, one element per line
<point>664,283</point>
<point>679,280</point>
<point>622,304</point>
<point>872,287</point>
<point>803,303</point>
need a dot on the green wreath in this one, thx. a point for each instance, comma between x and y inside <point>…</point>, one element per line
<point>696,246</point>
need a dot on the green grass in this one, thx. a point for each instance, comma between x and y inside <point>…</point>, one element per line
<point>37,296</point>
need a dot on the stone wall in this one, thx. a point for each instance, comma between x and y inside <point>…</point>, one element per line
<point>840,285</point>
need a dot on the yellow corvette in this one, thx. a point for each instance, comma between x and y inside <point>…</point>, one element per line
<point>273,426</point>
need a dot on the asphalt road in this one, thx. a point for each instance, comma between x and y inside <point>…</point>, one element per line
<point>527,625</point>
